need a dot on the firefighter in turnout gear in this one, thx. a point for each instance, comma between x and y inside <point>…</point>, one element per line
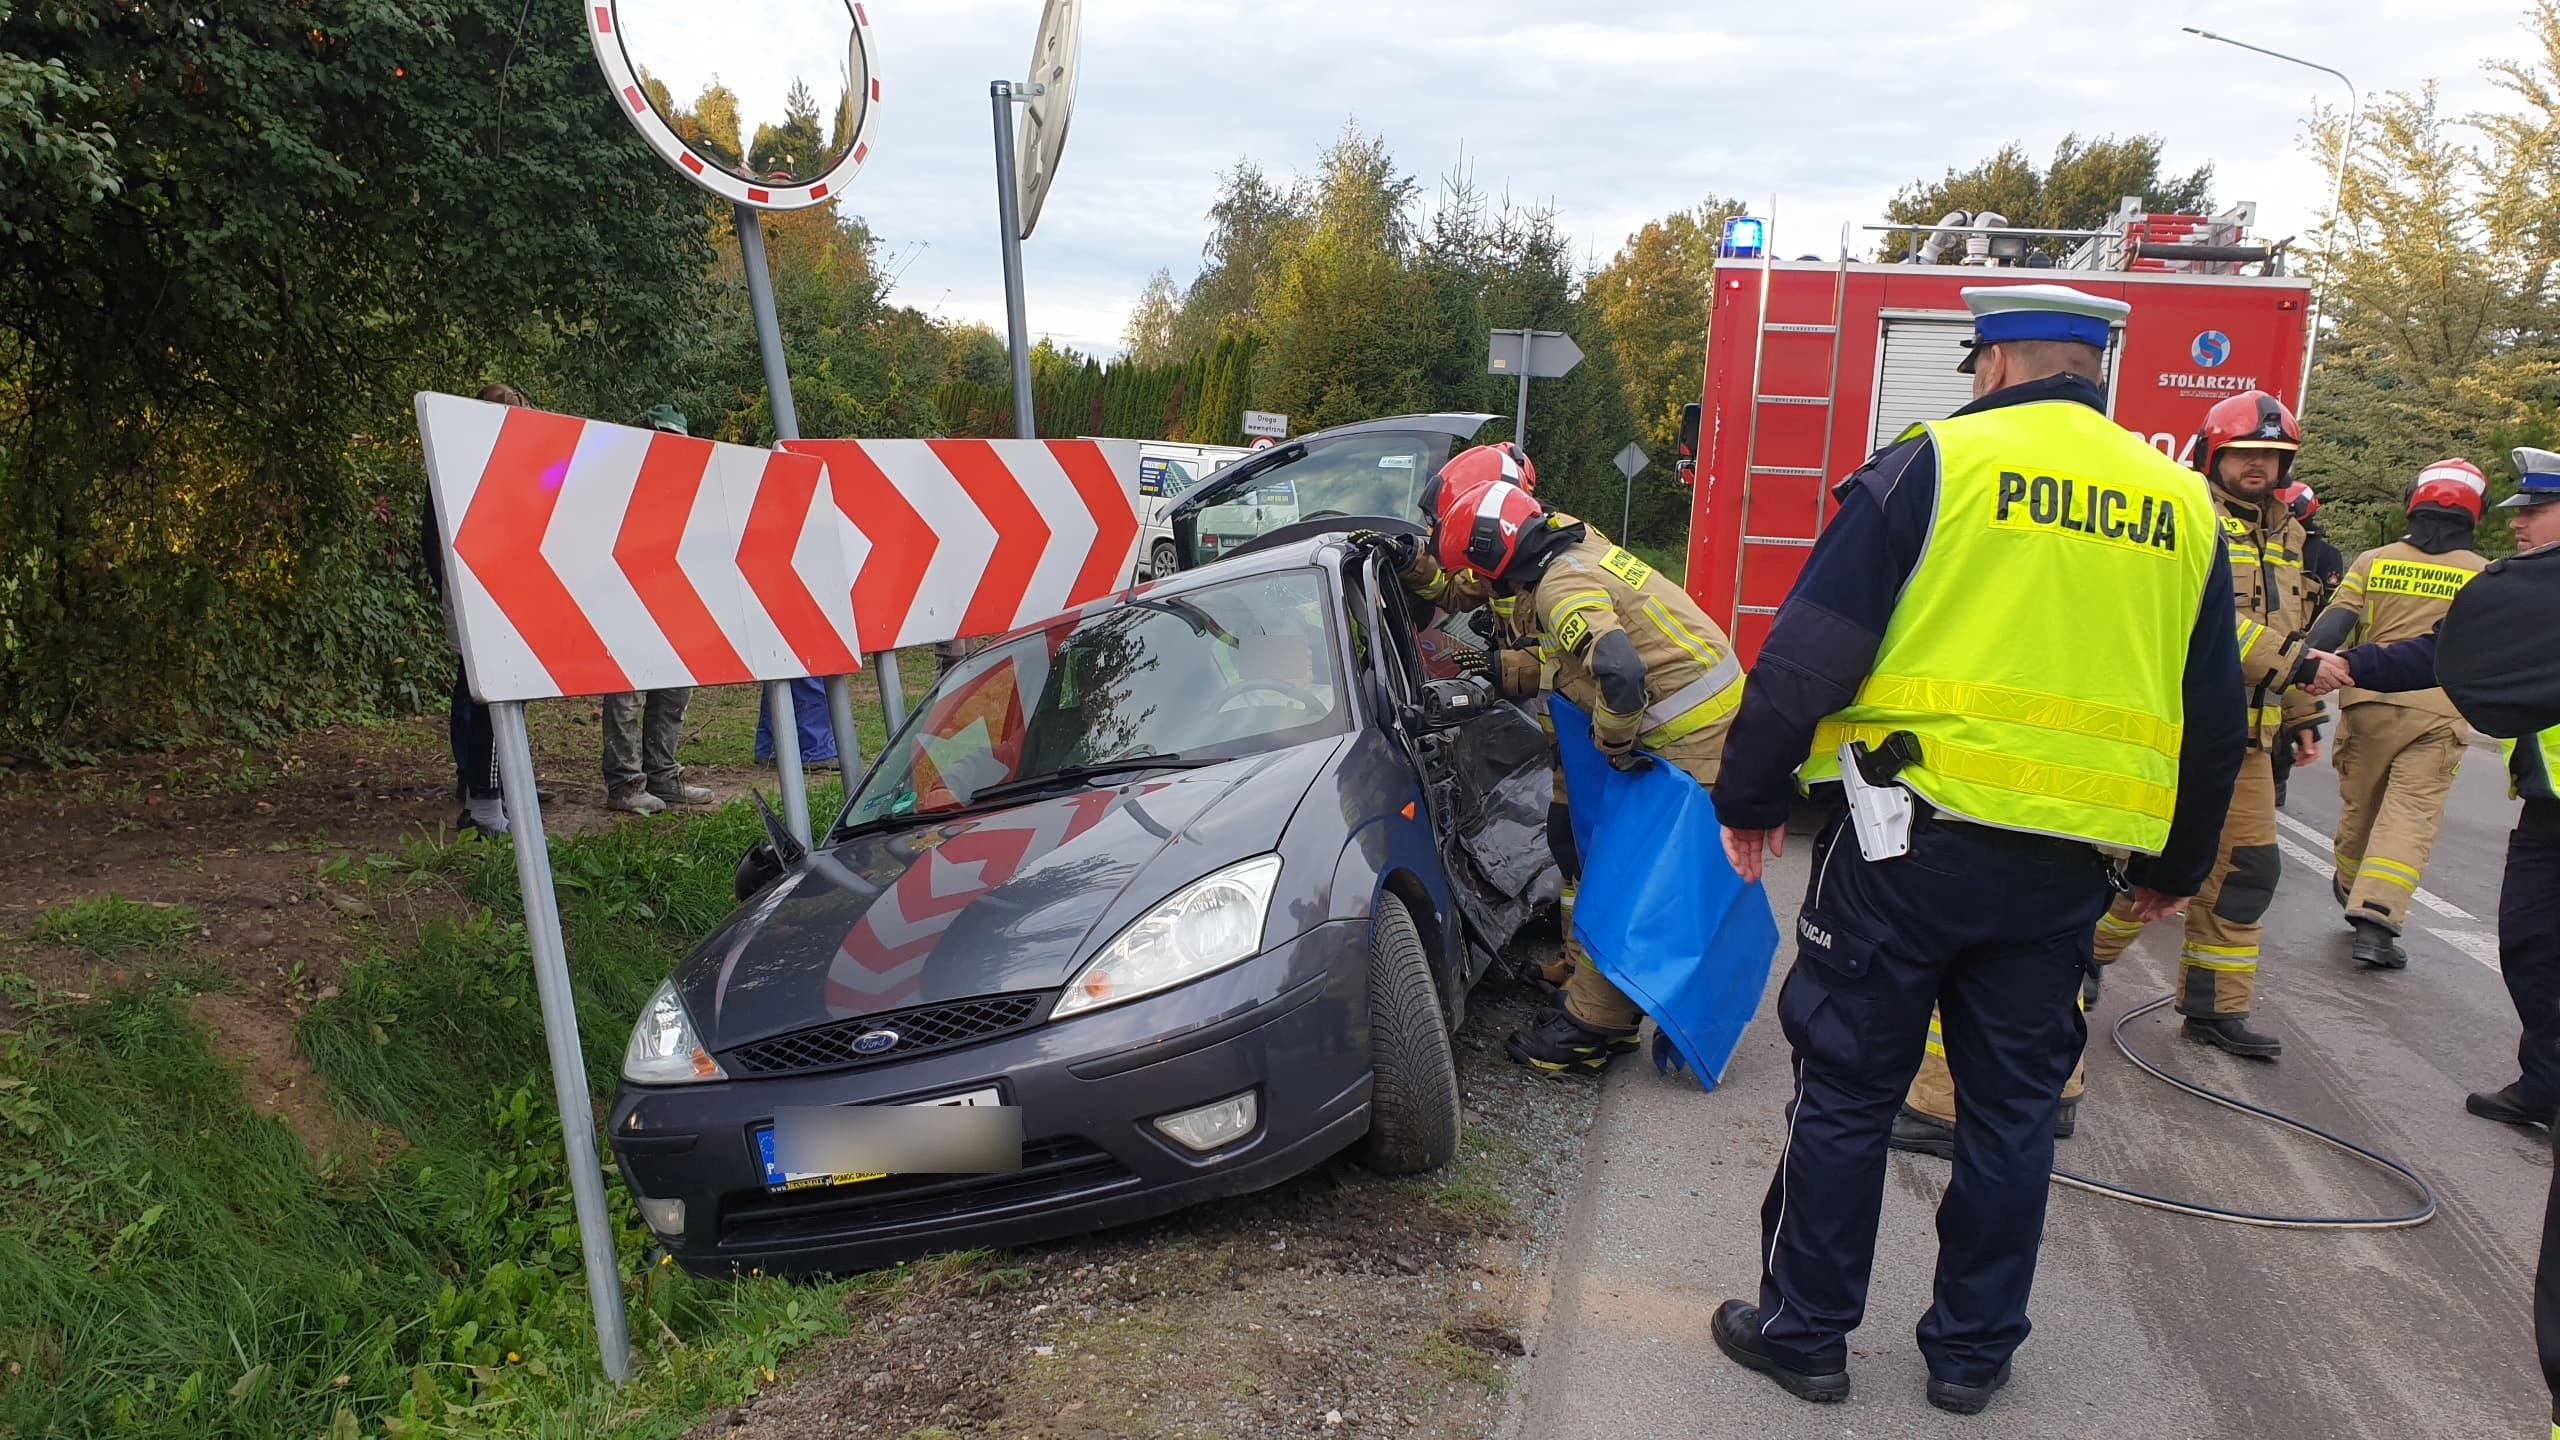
<point>1512,653</point>
<point>2396,754</point>
<point>2245,450</point>
<point>2323,570</point>
<point>1624,643</point>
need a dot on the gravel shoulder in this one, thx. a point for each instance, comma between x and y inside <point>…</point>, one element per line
<point>1339,1302</point>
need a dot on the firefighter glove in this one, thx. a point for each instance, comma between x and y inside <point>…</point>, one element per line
<point>1516,674</point>
<point>1631,760</point>
<point>1400,550</point>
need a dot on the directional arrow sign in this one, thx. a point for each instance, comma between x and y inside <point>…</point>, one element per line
<point>956,539</point>
<point>1538,354</point>
<point>590,558</point>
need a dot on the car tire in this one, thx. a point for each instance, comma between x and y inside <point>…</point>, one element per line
<point>1413,1099</point>
<point>1161,560</point>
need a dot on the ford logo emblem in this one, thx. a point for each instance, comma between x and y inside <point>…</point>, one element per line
<point>874,1042</point>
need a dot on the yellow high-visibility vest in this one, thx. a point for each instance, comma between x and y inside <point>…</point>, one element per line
<point>2039,649</point>
<point>2534,766</point>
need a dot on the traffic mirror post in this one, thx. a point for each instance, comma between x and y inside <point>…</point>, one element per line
<point>560,1032</point>
<point>786,426</point>
<point>784,715</point>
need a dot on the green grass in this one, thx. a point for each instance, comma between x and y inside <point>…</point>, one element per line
<point>172,1265</point>
<point>1671,560</point>
<point>112,927</point>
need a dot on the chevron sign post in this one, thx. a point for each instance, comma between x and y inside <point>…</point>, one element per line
<point>587,558</point>
<point>958,539</point>
<point>591,559</point>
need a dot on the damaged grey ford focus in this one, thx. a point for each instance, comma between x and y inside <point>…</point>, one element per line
<point>1172,897</point>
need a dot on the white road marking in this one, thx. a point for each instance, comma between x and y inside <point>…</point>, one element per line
<point>2426,897</point>
<point>2478,944</point>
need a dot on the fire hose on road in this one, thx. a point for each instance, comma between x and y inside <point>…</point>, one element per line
<point>2425,1211</point>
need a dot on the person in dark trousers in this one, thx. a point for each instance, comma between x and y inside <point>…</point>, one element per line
<point>2043,669</point>
<point>2528,893</point>
<point>475,745</point>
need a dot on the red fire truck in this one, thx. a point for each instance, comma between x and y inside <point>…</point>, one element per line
<point>1813,365</point>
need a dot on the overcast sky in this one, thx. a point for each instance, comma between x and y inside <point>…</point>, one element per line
<point>1820,108</point>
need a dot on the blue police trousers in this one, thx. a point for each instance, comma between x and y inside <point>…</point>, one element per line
<point>1995,930</point>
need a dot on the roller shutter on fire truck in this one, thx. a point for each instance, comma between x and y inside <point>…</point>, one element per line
<point>1916,378</point>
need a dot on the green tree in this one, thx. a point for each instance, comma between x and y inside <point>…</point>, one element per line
<point>1654,297</point>
<point>1149,335</point>
<point>2078,190</point>
<point>1345,310</point>
<point>209,336</point>
<point>1254,226</point>
<point>795,147</point>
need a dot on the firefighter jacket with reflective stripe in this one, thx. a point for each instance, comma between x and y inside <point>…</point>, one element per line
<point>2400,592</point>
<point>2273,600</point>
<point>1461,591</point>
<point>1692,680</point>
<point>2039,649</point>
<point>2533,765</point>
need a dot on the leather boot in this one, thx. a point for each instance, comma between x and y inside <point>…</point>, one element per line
<point>2232,1033</point>
<point>1922,1134</point>
<point>1564,1045</point>
<point>2377,948</point>
<point>2514,1105</point>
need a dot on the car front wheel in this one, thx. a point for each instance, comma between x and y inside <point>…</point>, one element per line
<point>1413,1101</point>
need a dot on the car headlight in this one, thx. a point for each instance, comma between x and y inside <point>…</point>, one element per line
<point>664,1049</point>
<point>1204,927</point>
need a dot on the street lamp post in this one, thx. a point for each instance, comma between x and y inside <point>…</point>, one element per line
<point>2337,179</point>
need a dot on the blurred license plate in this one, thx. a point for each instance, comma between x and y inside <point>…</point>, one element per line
<point>775,1178</point>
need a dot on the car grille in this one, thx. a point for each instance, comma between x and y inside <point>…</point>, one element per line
<point>1060,1169</point>
<point>934,1027</point>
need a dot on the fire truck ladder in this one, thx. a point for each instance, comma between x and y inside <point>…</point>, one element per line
<point>1752,469</point>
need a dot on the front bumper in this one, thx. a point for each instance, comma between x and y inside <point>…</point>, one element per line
<point>1290,1024</point>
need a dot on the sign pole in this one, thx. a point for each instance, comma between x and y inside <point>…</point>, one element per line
<point>840,715</point>
<point>786,426</point>
<point>1001,94</point>
<point>560,1031</point>
<point>1520,429</point>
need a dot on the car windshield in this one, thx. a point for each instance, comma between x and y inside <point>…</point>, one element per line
<point>1377,474</point>
<point>1212,673</point>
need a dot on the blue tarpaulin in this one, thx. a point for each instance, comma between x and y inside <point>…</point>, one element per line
<point>817,732</point>
<point>1659,910</point>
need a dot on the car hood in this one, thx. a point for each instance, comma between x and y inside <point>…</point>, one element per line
<point>1008,900</point>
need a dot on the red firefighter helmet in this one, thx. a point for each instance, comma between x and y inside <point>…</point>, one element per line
<point>1479,526</point>
<point>2255,420</point>
<point>1470,467</point>
<point>2300,499</point>
<point>2455,484</point>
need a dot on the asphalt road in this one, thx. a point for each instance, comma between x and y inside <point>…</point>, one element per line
<point>2147,1324</point>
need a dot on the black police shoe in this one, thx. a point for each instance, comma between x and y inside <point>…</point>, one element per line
<point>2377,948</point>
<point>2066,1121</point>
<point>2232,1033</point>
<point>1963,1399</point>
<point>1737,1331</point>
<point>2514,1105</point>
<point>1922,1134</point>
<point>1564,1045</point>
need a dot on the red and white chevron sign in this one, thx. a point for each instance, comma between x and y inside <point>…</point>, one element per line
<point>956,539</point>
<point>590,558</point>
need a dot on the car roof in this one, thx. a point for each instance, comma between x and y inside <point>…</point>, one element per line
<point>1461,423</point>
<point>1295,555</point>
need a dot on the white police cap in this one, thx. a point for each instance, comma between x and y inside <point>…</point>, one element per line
<point>2002,313</point>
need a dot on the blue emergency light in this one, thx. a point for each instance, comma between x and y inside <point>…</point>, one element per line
<point>1744,237</point>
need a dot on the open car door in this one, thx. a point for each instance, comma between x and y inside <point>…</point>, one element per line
<point>1339,479</point>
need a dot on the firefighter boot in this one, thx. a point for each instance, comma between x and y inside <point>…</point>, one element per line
<point>2232,1033</point>
<point>2376,947</point>
<point>1563,1045</point>
<point>1922,1134</point>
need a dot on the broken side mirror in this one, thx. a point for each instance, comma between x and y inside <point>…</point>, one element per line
<point>776,855</point>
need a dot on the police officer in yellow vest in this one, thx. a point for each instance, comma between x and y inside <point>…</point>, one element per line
<point>2397,753</point>
<point>1628,646</point>
<point>2019,627</point>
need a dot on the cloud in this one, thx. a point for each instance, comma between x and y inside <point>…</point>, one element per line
<point>1819,110</point>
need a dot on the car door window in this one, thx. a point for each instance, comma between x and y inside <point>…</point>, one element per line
<point>1357,475</point>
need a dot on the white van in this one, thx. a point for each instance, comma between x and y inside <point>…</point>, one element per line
<point>1166,469</point>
